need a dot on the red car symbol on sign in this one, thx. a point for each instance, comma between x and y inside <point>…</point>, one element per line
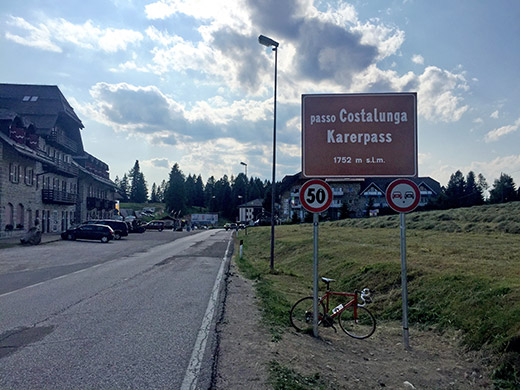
<point>397,194</point>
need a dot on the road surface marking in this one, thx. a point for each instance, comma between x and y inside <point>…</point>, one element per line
<point>192,372</point>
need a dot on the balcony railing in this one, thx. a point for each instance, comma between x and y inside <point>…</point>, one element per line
<point>58,197</point>
<point>337,191</point>
<point>59,137</point>
<point>59,166</point>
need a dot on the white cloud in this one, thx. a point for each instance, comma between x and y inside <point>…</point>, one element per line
<point>157,163</point>
<point>35,36</point>
<point>388,40</point>
<point>437,95</point>
<point>491,170</point>
<point>148,112</point>
<point>52,32</point>
<point>418,59</point>
<point>495,134</point>
<point>494,168</point>
<point>494,115</point>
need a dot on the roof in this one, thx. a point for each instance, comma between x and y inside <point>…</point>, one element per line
<point>383,182</point>
<point>41,103</point>
<point>252,203</point>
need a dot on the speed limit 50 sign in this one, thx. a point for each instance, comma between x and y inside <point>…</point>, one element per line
<point>315,196</point>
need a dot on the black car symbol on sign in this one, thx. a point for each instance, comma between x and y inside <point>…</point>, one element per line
<point>409,194</point>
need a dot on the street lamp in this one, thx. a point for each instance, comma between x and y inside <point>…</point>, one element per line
<point>263,40</point>
<point>245,165</point>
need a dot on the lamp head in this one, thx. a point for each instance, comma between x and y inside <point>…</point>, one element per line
<point>263,40</point>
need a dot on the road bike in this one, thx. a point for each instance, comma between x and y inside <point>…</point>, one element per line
<point>348,310</point>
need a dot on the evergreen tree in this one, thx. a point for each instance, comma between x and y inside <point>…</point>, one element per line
<point>482,184</point>
<point>223,197</point>
<point>189,186</point>
<point>473,193</point>
<point>455,190</point>
<point>124,189</point>
<point>199,192</point>
<point>153,197</point>
<point>503,190</point>
<point>161,189</point>
<point>209,195</point>
<point>138,190</point>
<point>239,190</point>
<point>175,194</point>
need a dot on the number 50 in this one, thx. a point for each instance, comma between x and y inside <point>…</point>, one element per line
<point>314,195</point>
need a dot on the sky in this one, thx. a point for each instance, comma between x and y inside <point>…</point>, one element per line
<point>186,81</point>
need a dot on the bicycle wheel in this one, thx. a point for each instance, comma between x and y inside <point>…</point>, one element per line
<point>360,328</point>
<point>301,314</point>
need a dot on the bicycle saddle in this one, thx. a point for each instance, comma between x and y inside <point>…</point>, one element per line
<point>327,280</point>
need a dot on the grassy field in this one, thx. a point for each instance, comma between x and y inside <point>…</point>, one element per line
<point>463,273</point>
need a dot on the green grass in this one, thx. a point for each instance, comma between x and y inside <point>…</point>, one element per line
<point>463,273</point>
<point>284,378</point>
<point>140,206</point>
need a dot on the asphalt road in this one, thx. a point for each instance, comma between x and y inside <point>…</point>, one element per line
<point>134,314</point>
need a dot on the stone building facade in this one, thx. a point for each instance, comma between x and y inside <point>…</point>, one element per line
<point>40,179</point>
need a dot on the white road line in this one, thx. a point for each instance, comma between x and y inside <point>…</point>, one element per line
<point>193,370</point>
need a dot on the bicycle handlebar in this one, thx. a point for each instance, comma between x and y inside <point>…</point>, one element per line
<point>365,297</point>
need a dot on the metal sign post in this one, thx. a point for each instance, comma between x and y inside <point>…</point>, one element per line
<point>315,197</point>
<point>403,196</point>
<point>404,282</point>
<point>315,222</point>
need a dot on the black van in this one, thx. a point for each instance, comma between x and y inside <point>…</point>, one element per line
<point>120,228</point>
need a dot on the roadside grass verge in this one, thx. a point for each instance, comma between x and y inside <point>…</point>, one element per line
<point>284,378</point>
<point>464,280</point>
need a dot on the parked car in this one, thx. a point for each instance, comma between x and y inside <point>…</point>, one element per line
<point>104,233</point>
<point>137,227</point>
<point>120,228</point>
<point>155,225</point>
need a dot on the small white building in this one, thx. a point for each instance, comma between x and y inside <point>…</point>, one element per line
<point>250,211</point>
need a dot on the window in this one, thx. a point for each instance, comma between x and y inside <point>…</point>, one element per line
<point>14,173</point>
<point>29,176</point>
<point>26,98</point>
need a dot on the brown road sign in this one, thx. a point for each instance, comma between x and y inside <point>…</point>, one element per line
<point>359,135</point>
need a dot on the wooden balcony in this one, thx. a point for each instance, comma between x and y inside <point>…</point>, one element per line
<point>58,137</point>
<point>58,197</point>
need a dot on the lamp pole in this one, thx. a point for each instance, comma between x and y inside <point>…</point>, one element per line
<point>245,166</point>
<point>263,40</point>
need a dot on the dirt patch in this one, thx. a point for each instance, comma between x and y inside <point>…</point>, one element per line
<point>380,362</point>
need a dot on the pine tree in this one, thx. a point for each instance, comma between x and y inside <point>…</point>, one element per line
<point>503,190</point>
<point>175,194</point>
<point>138,190</point>
<point>199,192</point>
<point>209,194</point>
<point>455,190</point>
<point>189,186</point>
<point>124,188</point>
<point>153,196</point>
<point>473,193</point>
